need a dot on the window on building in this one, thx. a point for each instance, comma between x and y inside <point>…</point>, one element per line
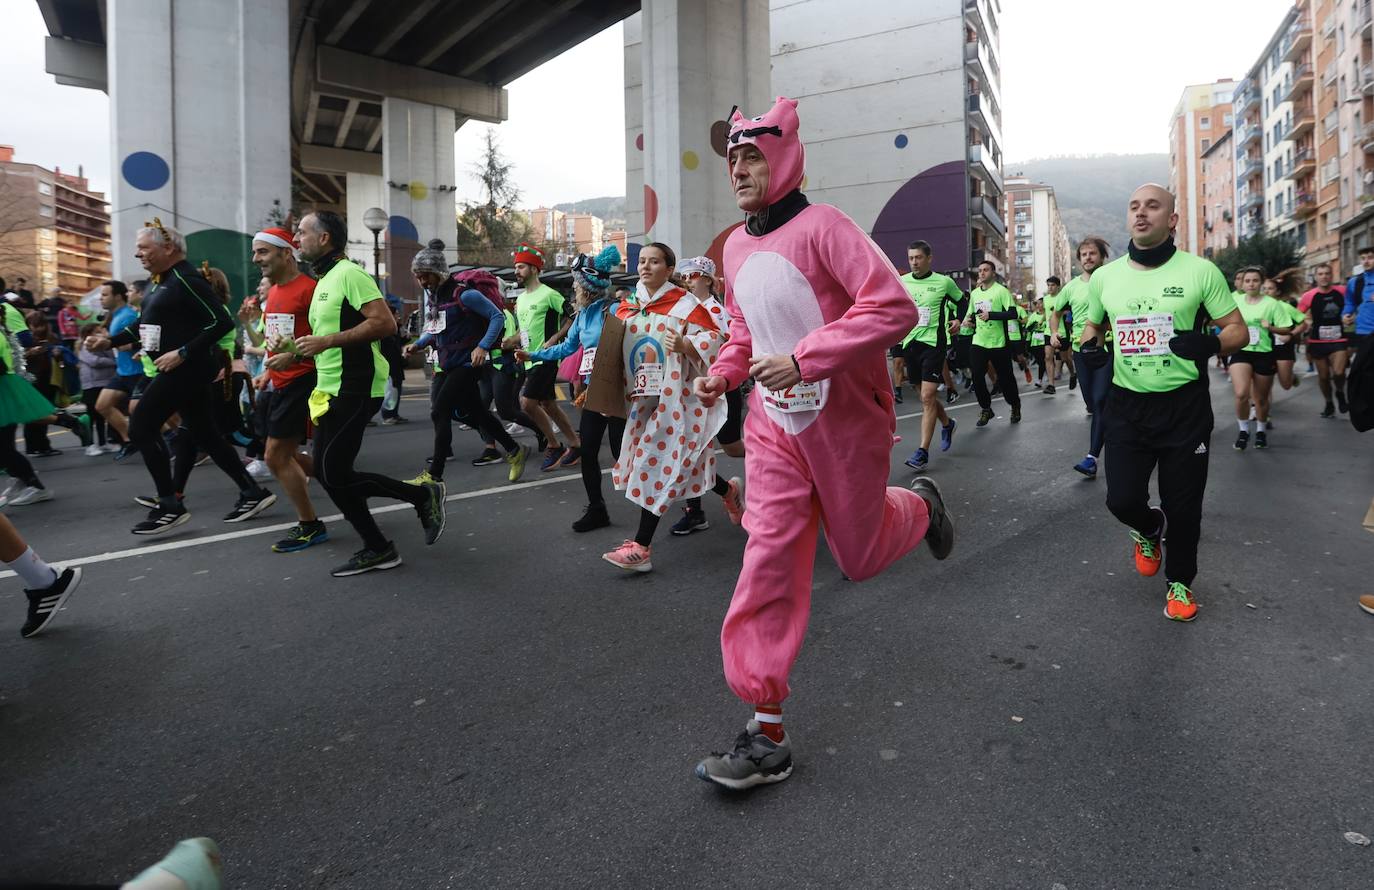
<point>1227,119</point>
<point>1206,144</point>
<point>44,210</point>
<point>45,188</point>
<point>1205,123</point>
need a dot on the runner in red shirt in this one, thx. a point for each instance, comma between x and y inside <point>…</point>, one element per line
<point>284,388</point>
<point>1326,343</point>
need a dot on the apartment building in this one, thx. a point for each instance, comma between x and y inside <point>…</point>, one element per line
<point>54,230</point>
<point>1201,118</point>
<point>900,109</point>
<point>1037,238</point>
<point>571,233</point>
<point>1218,198</point>
<point>1354,210</point>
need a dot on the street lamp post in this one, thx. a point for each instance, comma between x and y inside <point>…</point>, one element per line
<point>375,219</point>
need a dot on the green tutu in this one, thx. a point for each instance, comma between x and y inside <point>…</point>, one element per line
<point>20,402</point>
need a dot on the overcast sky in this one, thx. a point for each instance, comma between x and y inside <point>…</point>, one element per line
<point>1078,78</point>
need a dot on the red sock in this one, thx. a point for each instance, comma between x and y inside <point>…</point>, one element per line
<point>769,718</point>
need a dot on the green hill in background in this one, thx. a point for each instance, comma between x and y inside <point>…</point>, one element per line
<point>1092,191</point>
<point>611,209</point>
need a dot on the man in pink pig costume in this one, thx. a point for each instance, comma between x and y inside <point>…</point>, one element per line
<point>816,304</point>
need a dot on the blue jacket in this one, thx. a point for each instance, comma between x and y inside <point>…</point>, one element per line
<point>585,332</point>
<point>1364,316</point>
<point>470,321</point>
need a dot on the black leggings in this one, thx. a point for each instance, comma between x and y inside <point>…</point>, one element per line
<point>183,392</point>
<point>338,438</point>
<point>459,390</point>
<point>503,388</point>
<point>591,428</point>
<point>88,398</point>
<point>722,488</point>
<point>14,463</point>
<point>979,358</point>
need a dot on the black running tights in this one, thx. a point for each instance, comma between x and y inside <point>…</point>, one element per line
<point>459,390</point>
<point>338,439</point>
<point>14,463</point>
<point>182,392</point>
<point>591,428</point>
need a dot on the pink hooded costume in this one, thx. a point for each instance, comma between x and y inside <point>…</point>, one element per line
<point>818,289</point>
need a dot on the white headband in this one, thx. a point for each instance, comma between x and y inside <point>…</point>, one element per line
<point>274,239</point>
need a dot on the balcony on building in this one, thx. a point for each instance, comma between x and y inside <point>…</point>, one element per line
<point>1364,20</point>
<point>983,212</point>
<point>1300,85</point>
<point>978,61</point>
<point>1366,138</point>
<point>1252,201</point>
<point>1303,123</point>
<point>1304,205</point>
<point>985,115</point>
<point>1329,28</point>
<point>1304,164</point>
<point>982,164</point>
<point>1367,80</point>
<point>1244,99</point>
<point>1329,74</point>
<point>1250,166</point>
<point>1298,40</point>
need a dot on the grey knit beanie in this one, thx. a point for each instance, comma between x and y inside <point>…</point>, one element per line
<point>431,259</point>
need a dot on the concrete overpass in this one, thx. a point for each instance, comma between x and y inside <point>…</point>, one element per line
<point>228,113</point>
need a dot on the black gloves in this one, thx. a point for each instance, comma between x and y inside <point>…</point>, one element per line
<point>1094,356</point>
<point>1195,346</point>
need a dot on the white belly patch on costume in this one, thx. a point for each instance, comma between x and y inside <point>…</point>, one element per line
<point>780,307</point>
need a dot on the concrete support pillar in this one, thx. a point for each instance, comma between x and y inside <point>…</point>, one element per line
<point>418,172</point>
<point>200,125</point>
<point>364,192</point>
<point>697,60</point>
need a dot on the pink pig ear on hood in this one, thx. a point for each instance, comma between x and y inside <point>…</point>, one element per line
<point>777,135</point>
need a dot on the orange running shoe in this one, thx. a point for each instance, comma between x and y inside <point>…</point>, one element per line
<point>1149,553</point>
<point>1179,604</point>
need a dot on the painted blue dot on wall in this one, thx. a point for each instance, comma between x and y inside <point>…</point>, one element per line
<point>632,255</point>
<point>401,227</point>
<point>900,141</point>
<point>145,170</point>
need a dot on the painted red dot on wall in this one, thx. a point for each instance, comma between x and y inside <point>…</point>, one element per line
<point>651,208</point>
<point>639,142</point>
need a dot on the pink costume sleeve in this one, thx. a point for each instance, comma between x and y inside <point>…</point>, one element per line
<point>1305,304</point>
<point>733,361</point>
<point>882,312</point>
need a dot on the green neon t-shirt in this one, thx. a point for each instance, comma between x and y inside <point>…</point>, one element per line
<point>539,313</point>
<point>989,334</point>
<point>930,294</point>
<point>14,323</point>
<point>1185,287</point>
<point>336,306</point>
<point>1074,298</point>
<point>1255,314</point>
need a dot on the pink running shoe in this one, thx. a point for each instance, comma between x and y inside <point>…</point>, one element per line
<point>734,500</point>
<point>630,556</point>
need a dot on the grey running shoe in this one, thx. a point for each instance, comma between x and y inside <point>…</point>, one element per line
<point>940,534</point>
<point>432,517</point>
<point>755,760</point>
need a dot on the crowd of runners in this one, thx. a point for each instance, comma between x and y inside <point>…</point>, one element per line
<point>789,353</point>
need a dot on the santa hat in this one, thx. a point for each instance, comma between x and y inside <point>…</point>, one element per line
<point>529,255</point>
<point>276,236</point>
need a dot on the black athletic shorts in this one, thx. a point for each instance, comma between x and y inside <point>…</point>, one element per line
<point>1262,362</point>
<point>126,383</point>
<point>734,418</point>
<point>924,362</point>
<point>894,351</point>
<point>1285,352</point>
<point>539,382</point>
<point>284,413</point>
<point>1325,350</point>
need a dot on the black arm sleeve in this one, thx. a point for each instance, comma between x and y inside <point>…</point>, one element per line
<point>1007,315</point>
<point>212,316</point>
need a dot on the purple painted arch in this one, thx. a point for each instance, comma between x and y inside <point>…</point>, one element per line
<point>929,207</point>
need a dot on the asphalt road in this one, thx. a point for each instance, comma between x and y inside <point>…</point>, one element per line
<point>506,710</point>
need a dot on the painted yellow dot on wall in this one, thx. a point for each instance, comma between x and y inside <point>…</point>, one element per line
<point>418,190</point>
<point>805,181</point>
<point>690,160</point>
